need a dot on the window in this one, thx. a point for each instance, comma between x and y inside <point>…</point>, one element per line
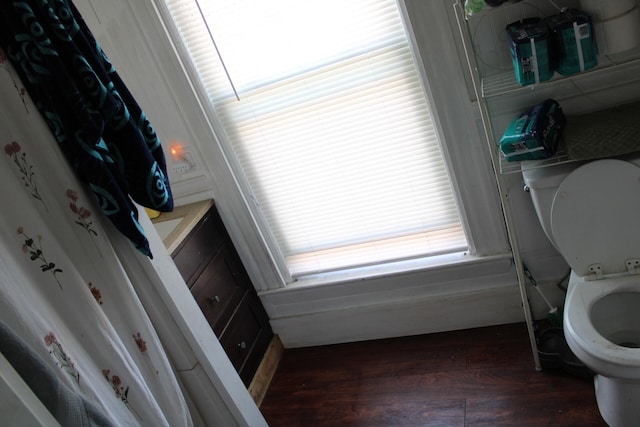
<point>322,105</point>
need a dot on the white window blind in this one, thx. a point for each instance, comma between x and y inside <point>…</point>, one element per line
<point>332,129</point>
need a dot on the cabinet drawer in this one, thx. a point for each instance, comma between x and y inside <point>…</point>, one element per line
<point>217,291</point>
<point>198,248</point>
<point>246,337</point>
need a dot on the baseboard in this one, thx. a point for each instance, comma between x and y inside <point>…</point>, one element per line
<point>267,369</point>
<point>500,305</point>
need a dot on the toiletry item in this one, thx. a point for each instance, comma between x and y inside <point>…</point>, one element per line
<point>535,133</point>
<point>601,10</point>
<point>530,53</point>
<point>473,7</point>
<point>618,34</point>
<point>152,213</point>
<point>572,41</point>
<point>616,24</point>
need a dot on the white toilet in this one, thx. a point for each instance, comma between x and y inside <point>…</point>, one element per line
<point>591,214</point>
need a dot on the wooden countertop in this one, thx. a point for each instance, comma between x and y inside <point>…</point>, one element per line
<point>190,215</point>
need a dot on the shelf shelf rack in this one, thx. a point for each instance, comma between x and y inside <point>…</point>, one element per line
<point>469,52</point>
<point>503,83</point>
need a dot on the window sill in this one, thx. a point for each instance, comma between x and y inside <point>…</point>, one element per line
<point>381,286</point>
<point>456,291</point>
<point>450,261</point>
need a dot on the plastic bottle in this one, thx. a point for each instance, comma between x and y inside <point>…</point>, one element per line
<point>471,7</point>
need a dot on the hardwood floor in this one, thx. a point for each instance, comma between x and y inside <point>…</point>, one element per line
<point>478,377</point>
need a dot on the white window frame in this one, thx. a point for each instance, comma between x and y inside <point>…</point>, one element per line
<point>456,118</point>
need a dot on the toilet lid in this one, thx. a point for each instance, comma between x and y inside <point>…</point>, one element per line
<point>595,216</point>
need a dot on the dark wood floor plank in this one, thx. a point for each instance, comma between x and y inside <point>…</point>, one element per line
<point>496,348</point>
<point>561,409</point>
<point>371,412</point>
<point>370,365</point>
<point>480,377</point>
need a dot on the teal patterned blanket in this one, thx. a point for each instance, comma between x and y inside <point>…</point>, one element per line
<point>99,126</point>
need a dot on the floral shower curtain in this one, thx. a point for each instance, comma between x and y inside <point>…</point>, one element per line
<point>63,289</point>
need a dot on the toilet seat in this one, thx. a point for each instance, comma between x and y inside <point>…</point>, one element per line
<point>586,342</point>
<point>591,233</point>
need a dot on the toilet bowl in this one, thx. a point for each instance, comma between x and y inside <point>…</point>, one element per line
<point>602,328</point>
<point>590,213</point>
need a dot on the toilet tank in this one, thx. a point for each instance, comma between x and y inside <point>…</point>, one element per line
<point>542,183</point>
<point>543,180</point>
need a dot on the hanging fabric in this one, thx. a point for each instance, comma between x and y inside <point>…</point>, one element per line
<point>64,290</point>
<point>100,128</point>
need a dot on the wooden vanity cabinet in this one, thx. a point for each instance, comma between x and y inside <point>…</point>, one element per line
<point>218,281</point>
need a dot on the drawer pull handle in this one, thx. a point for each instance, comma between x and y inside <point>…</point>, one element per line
<point>214,299</point>
<point>242,345</point>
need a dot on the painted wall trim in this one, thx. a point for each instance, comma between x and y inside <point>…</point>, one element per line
<point>500,305</point>
<point>479,292</point>
<point>465,275</point>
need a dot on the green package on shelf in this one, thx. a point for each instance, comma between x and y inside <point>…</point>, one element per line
<point>534,134</point>
<point>529,45</point>
<point>573,42</point>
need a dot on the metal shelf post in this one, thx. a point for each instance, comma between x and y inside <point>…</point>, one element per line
<point>504,196</point>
